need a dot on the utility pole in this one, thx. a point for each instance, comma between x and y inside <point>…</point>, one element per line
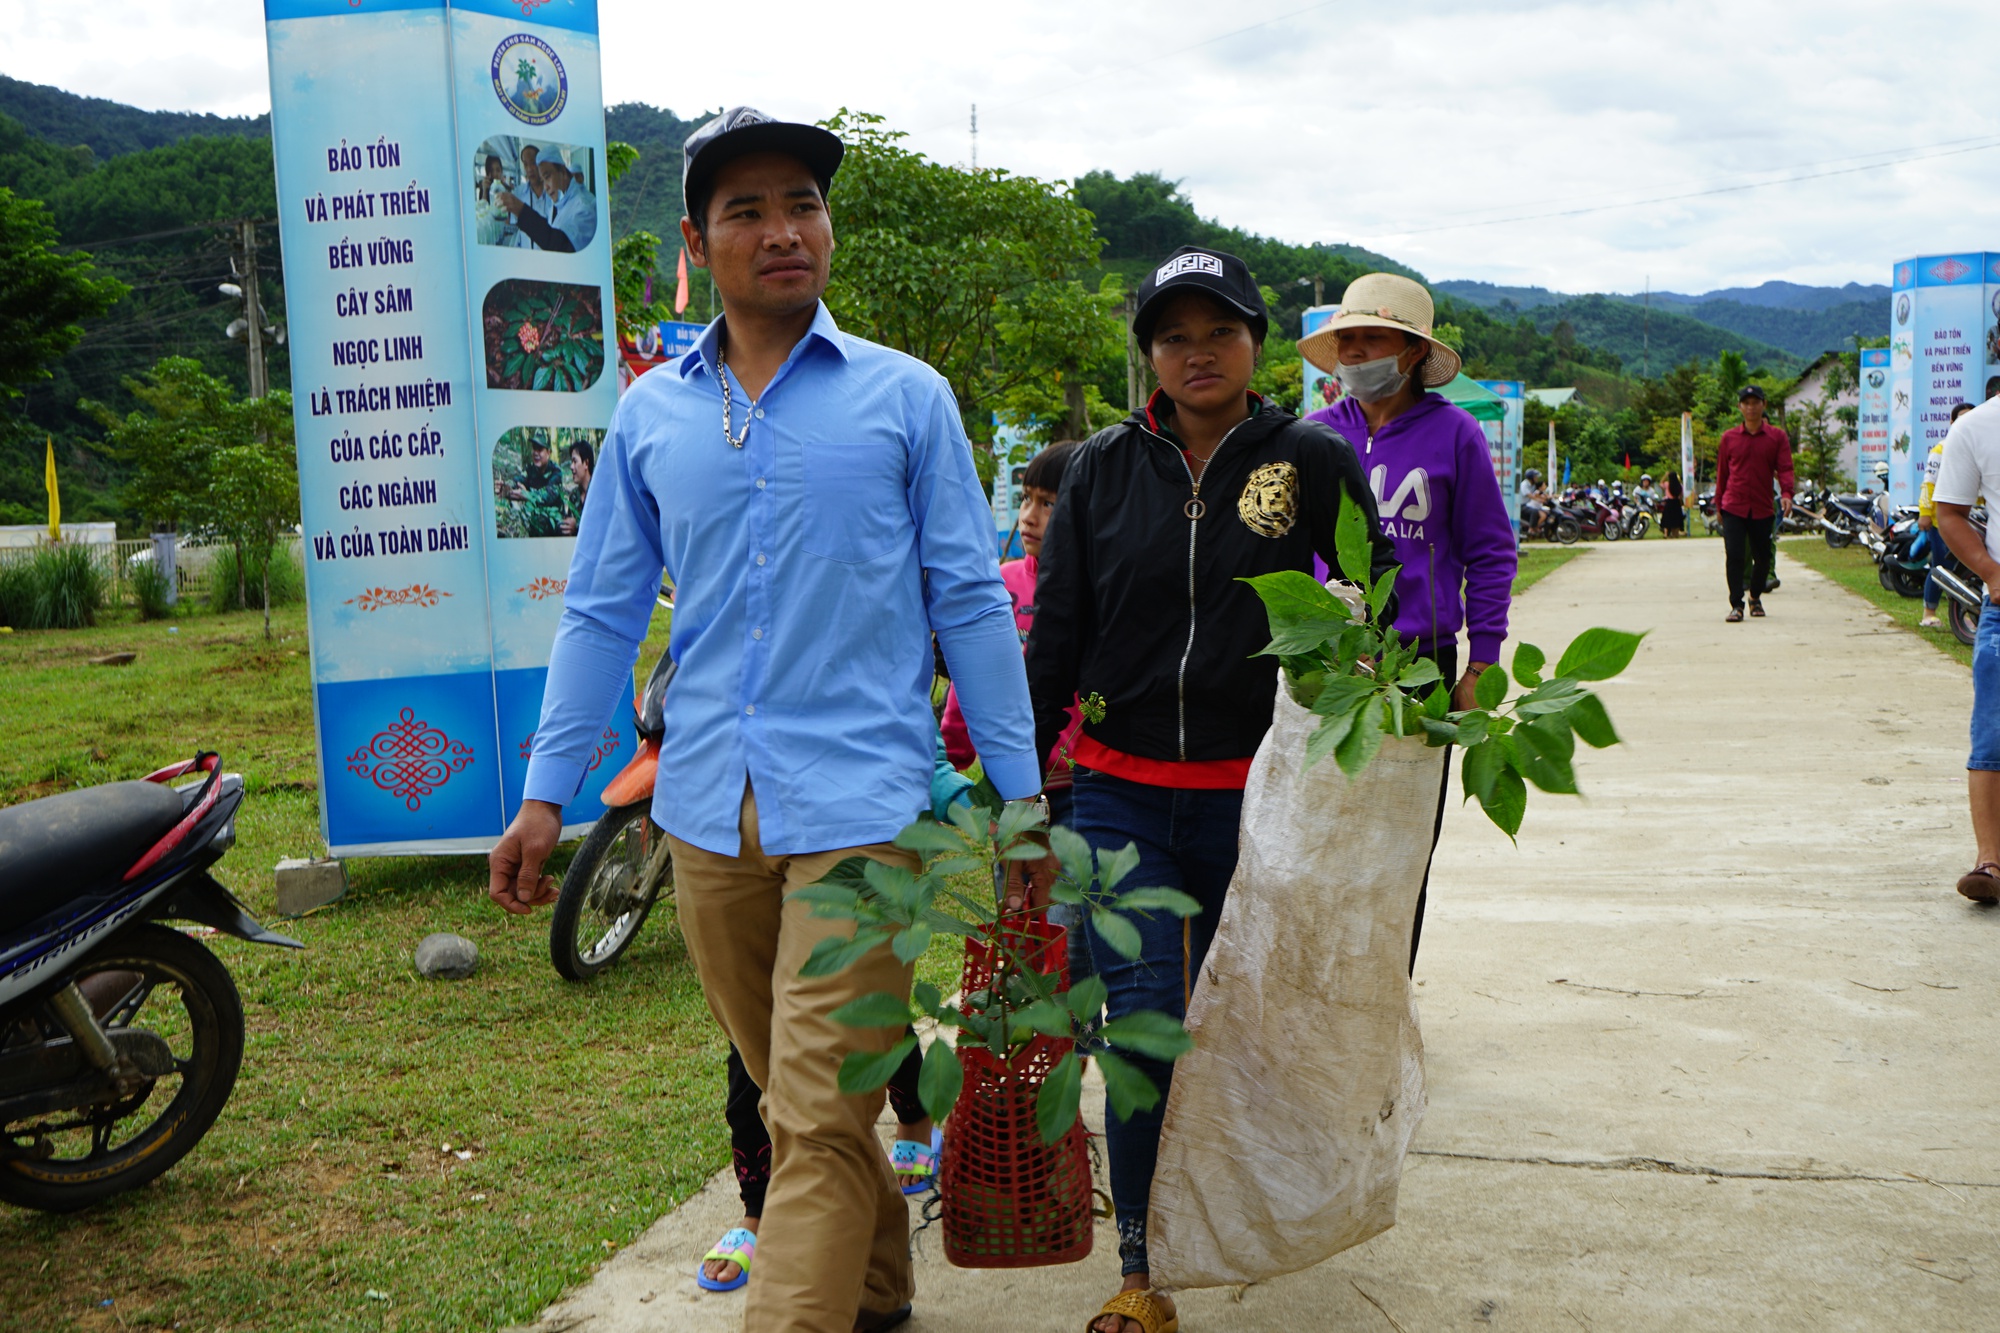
<point>975,136</point>
<point>1646,334</point>
<point>250,324</point>
<point>1135,381</point>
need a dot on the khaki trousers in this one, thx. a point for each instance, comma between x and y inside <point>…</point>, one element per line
<point>835,1233</point>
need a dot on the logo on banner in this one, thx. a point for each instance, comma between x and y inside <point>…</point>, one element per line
<point>1173,268</point>
<point>528,79</point>
<point>1950,270</point>
<point>1902,310</point>
<point>1905,275</point>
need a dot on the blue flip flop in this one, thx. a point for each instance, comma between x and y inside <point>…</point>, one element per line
<point>738,1246</point>
<point>917,1166</point>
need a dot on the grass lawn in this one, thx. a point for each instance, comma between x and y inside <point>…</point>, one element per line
<point>324,1197</point>
<point>1853,570</point>
<point>1539,561</point>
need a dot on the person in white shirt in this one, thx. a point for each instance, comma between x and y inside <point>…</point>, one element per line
<point>567,218</point>
<point>1970,470</point>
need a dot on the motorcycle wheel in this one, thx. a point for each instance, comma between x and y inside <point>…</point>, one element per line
<point>1964,621</point>
<point>1907,582</point>
<point>1640,524</point>
<point>608,891</point>
<point>1837,538</point>
<point>179,991</point>
<point>1614,531</point>
<point>1714,525</point>
<point>1567,531</point>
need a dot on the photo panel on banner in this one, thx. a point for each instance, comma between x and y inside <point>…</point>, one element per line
<point>1944,349</point>
<point>427,632</point>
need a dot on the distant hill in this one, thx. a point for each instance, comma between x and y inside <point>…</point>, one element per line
<point>1800,320</point>
<point>648,197</point>
<point>111,129</point>
<point>1660,341</point>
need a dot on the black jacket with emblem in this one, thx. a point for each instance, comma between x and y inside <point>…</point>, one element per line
<point>1139,603</point>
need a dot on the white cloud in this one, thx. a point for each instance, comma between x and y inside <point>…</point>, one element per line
<point>1348,122</point>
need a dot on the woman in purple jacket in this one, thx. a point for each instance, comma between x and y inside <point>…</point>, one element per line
<point>1427,462</point>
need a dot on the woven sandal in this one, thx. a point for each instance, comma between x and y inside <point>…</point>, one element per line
<point>916,1165</point>
<point>1143,1308</point>
<point>1735,614</point>
<point>737,1246</point>
<point>1981,883</point>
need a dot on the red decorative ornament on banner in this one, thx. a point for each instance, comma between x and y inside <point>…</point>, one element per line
<point>417,594</point>
<point>410,759</point>
<point>544,587</point>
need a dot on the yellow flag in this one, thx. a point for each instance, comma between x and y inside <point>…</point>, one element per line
<point>55,492</point>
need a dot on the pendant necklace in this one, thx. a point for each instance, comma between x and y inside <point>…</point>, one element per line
<point>735,440</point>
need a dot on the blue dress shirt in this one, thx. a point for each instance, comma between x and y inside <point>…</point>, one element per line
<point>810,568</point>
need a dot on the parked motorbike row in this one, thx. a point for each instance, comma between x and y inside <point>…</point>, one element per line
<point>1579,513</point>
<point>1891,536</point>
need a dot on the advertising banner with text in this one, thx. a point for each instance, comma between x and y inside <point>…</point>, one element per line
<point>448,281</point>
<point>1872,422</point>
<point>1503,440</point>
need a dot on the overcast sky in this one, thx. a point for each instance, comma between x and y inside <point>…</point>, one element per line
<point>1392,126</point>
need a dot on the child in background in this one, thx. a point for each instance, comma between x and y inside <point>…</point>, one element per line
<point>1039,487</point>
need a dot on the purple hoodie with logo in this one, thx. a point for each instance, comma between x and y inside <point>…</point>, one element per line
<point>1440,502</point>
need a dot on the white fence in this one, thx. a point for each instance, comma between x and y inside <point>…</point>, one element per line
<point>194,564</point>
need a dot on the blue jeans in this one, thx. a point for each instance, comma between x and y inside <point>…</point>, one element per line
<point>1986,691</point>
<point>1186,841</point>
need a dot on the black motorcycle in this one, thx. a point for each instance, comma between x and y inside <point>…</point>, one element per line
<point>120,1037</point>
<point>1964,591</point>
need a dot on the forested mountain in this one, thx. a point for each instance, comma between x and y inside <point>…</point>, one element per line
<point>1651,342</point>
<point>1800,320</point>
<point>111,129</point>
<point>648,197</point>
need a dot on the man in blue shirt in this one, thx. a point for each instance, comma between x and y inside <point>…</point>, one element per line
<point>813,498</point>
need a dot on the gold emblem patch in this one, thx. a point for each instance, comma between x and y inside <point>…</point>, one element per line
<point>1269,504</point>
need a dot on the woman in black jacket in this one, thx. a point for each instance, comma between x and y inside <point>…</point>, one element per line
<point>1140,612</point>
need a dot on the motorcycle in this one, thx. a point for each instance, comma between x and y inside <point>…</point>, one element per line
<point>1897,568</point>
<point>1841,518</point>
<point>1964,591</point>
<point>1594,518</point>
<point>120,1037</point>
<point>1709,517</point>
<point>1555,523</point>
<point>618,873</point>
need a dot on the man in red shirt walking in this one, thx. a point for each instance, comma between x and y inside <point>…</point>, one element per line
<point>1746,461</point>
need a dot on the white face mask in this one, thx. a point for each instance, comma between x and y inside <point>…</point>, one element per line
<point>1372,381</point>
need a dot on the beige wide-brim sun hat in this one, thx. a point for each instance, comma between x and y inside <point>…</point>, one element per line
<point>1383,301</point>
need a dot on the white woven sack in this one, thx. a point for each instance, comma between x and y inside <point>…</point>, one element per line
<point>1288,1121</point>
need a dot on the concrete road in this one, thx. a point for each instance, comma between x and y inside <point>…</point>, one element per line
<point>1714,1048</point>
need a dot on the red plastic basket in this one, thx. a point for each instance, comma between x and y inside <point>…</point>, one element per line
<point>1010,1200</point>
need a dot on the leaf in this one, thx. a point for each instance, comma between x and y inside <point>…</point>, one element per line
<point>1048,1018</point>
<point>1352,544</point>
<point>1086,998</point>
<point>1491,691</point>
<point>1073,852</point>
<point>1438,703</point>
<point>1115,867</point>
<point>1394,698</point>
<point>945,923</point>
<point>1551,696</point>
<point>880,1010</point>
<point>1294,637</point>
<point>1422,671</point>
<point>968,820</point>
<point>1545,747</point>
<point>1056,1104</point>
<point>1378,596</point>
<point>1121,935</point>
<point>1149,1032</point>
<point>1598,654</point>
<point>828,900</point>
<point>542,377</point>
<point>927,998</point>
<point>1171,901</point>
<point>1586,714</point>
<point>940,1079</point>
<point>894,884</point>
<point>1016,818</point>
<point>1528,662</point>
<point>1326,738</point>
<point>833,954</point>
<point>1508,800</point>
<point>909,945</point>
<point>929,836</point>
<point>1343,694</point>
<point>1360,744</point>
<point>1437,731</point>
<point>1292,595</point>
<point>1128,1088</point>
<point>865,1071</point>
<point>850,873</point>
<point>1306,685</point>
<point>1472,727</point>
<point>1480,769</point>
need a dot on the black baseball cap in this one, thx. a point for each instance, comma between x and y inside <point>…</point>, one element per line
<point>744,129</point>
<point>1221,275</point>
<point>1750,391</point>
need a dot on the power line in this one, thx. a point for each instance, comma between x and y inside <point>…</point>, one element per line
<point>1388,234</point>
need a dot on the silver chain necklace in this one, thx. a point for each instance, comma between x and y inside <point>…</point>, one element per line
<point>735,441</point>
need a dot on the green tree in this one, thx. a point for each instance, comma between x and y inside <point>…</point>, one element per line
<point>977,273</point>
<point>634,259</point>
<point>252,499</point>
<point>186,416</point>
<point>44,295</point>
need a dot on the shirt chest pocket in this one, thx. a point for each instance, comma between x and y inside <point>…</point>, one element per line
<point>855,506</point>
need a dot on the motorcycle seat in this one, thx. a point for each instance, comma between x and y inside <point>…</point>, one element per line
<point>59,847</point>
